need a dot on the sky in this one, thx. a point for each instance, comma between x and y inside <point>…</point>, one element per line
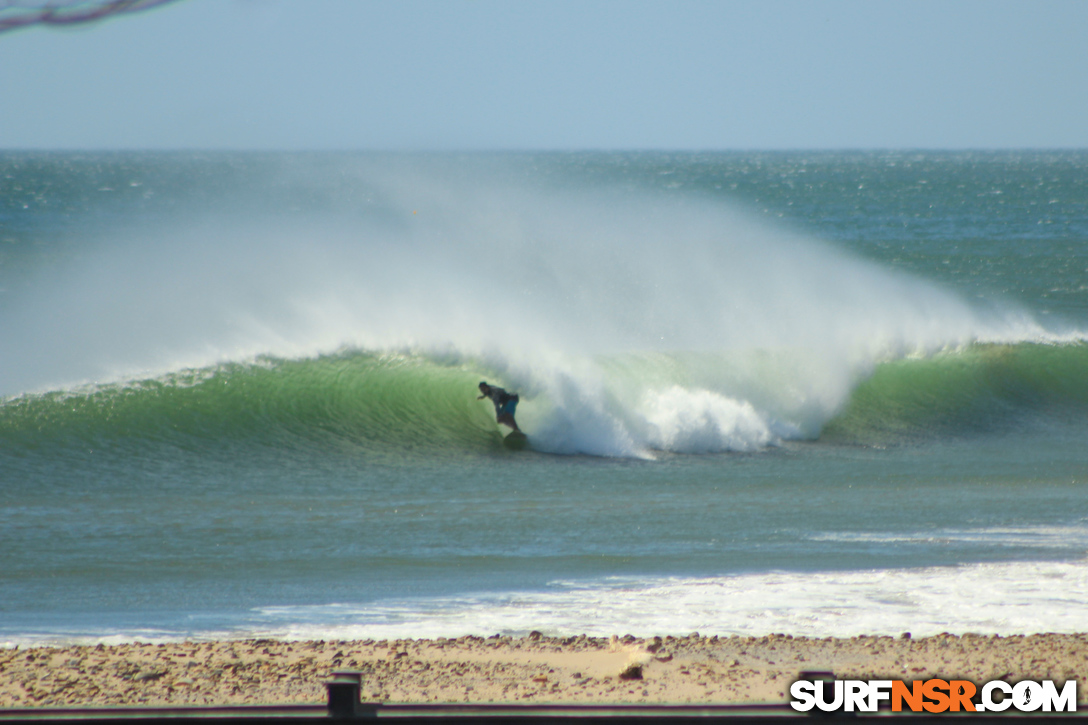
<point>555,74</point>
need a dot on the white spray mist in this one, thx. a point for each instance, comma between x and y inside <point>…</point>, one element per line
<point>629,321</point>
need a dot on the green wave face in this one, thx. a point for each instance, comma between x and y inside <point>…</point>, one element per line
<point>358,402</point>
<point>352,401</point>
<point>984,388</point>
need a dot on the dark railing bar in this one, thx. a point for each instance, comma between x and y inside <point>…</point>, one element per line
<point>344,705</point>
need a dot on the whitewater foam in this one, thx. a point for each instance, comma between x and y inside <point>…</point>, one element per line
<point>1010,598</point>
<point>1006,598</point>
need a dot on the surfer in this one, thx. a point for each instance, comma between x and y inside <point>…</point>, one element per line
<point>504,404</point>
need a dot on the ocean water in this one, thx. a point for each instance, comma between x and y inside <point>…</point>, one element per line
<point>814,393</point>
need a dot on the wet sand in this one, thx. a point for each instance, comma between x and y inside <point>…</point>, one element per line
<point>532,669</point>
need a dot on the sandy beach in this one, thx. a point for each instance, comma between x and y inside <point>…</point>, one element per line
<point>536,669</point>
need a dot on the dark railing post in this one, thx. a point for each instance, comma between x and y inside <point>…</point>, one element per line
<point>344,689</point>
<point>825,682</point>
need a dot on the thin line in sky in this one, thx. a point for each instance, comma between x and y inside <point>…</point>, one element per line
<point>19,14</point>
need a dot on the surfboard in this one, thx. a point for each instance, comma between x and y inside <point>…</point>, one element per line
<point>516,440</point>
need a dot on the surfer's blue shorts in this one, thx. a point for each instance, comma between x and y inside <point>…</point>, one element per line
<point>508,407</point>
